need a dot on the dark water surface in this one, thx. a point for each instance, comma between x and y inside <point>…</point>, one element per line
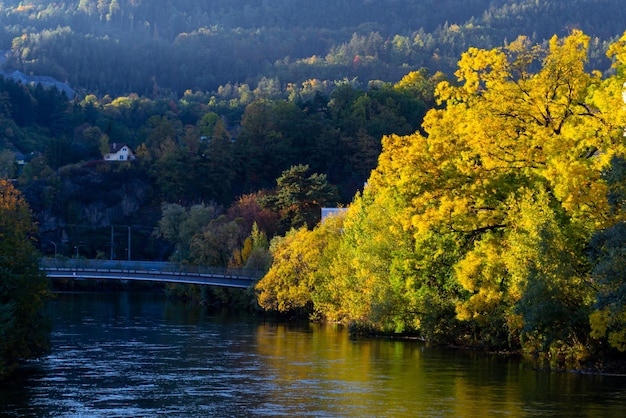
<point>137,354</point>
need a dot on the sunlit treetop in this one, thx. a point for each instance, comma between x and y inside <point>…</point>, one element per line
<point>518,116</point>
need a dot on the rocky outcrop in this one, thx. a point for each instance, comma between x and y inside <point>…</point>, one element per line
<point>44,81</point>
<point>83,201</point>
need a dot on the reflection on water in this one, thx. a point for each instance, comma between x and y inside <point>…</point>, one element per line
<point>131,354</point>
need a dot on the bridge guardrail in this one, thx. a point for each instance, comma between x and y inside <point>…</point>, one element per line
<point>155,267</point>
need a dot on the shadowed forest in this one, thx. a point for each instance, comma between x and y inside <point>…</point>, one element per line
<point>164,47</point>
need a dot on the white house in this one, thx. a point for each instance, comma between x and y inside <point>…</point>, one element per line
<point>119,152</point>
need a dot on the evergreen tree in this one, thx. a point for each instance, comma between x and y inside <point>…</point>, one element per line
<point>299,199</point>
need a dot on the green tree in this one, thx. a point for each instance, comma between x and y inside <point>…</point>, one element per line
<point>262,149</point>
<point>24,333</point>
<point>207,123</point>
<point>7,164</point>
<point>178,225</point>
<point>607,254</point>
<point>213,166</point>
<point>258,256</point>
<point>547,277</point>
<point>217,243</point>
<point>299,199</point>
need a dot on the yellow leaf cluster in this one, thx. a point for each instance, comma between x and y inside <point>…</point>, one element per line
<point>503,128</point>
<point>482,272</point>
<point>606,323</point>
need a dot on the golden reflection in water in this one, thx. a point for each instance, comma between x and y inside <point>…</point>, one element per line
<point>378,373</point>
<point>382,377</point>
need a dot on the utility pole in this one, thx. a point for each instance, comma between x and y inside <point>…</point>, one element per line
<point>129,243</point>
<point>112,242</point>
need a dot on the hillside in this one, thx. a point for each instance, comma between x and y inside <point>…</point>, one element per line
<point>153,48</point>
<point>221,100</point>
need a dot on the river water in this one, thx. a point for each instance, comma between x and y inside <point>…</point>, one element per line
<point>131,354</point>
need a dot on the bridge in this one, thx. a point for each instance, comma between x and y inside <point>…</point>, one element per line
<point>79,269</point>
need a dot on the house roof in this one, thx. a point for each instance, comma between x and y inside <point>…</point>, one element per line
<point>115,147</point>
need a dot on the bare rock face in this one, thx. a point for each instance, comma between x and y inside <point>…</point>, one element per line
<point>92,198</point>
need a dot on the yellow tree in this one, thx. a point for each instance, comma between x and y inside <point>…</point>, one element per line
<point>298,279</point>
<point>386,277</point>
<point>23,288</point>
<point>504,136</point>
<point>363,272</point>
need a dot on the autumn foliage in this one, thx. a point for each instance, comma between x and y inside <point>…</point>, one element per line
<point>478,230</point>
<point>23,288</point>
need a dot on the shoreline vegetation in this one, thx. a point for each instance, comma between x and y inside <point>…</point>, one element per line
<point>24,330</point>
<point>500,227</point>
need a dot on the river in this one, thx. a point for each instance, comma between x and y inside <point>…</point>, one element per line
<point>132,354</point>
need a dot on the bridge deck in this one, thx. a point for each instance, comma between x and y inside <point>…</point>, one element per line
<point>149,271</point>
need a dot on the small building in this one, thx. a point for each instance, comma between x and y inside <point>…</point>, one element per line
<point>119,152</point>
<point>20,159</point>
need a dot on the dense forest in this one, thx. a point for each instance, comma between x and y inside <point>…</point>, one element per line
<point>166,47</point>
<point>483,171</point>
<point>190,152</point>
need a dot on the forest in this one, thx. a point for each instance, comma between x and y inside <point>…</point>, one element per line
<point>192,153</point>
<point>477,146</point>
<point>165,47</point>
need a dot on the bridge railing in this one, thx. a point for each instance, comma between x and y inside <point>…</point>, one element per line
<point>148,266</point>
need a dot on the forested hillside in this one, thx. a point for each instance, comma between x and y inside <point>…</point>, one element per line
<point>480,155</point>
<point>190,151</point>
<point>152,48</point>
<point>220,99</point>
